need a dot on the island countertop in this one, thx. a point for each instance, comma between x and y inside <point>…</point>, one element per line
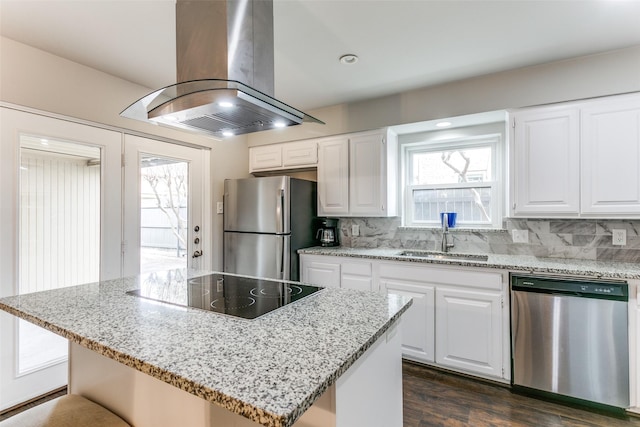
<point>270,369</point>
<point>524,263</point>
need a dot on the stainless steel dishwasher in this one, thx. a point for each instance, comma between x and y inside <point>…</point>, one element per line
<point>569,339</point>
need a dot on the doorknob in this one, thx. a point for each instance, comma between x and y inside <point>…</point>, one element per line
<point>196,254</point>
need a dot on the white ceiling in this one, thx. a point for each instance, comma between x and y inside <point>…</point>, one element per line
<point>401,44</point>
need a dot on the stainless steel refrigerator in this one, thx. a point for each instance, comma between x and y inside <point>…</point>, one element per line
<point>266,221</point>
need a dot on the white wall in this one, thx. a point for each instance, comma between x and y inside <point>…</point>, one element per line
<point>36,79</point>
<point>590,76</point>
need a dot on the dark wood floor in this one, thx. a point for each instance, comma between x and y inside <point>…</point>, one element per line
<point>437,398</point>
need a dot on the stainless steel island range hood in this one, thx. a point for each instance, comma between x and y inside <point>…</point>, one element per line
<point>224,58</point>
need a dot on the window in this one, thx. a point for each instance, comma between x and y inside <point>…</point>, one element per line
<point>459,176</point>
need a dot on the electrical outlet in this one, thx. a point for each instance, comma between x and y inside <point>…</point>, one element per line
<point>619,237</point>
<point>355,230</point>
<point>219,207</point>
<point>520,236</point>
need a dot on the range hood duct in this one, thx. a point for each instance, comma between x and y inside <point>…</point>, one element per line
<point>232,41</point>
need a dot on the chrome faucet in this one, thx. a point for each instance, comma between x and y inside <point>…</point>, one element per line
<point>445,246</point>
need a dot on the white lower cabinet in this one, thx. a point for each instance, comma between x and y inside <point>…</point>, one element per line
<point>469,332</point>
<point>459,318</point>
<point>418,322</point>
<point>320,271</point>
<point>356,275</point>
<point>336,272</point>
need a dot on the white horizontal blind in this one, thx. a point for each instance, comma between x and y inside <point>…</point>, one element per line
<point>59,221</point>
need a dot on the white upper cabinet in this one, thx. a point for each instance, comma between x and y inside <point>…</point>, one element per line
<point>546,161</point>
<point>577,159</point>
<point>357,175</point>
<point>288,155</point>
<point>333,176</point>
<point>611,157</point>
<point>265,158</point>
<point>300,154</point>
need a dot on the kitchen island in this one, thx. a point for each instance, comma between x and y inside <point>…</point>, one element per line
<point>330,359</point>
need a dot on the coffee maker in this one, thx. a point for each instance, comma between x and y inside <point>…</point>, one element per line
<point>327,234</point>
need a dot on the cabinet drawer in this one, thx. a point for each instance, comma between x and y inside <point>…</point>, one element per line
<point>457,276</point>
<point>265,158</point>
<point>300,154</point>
<point>359,268</point>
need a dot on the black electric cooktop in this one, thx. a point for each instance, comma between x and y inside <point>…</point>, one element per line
<point>222,293</point>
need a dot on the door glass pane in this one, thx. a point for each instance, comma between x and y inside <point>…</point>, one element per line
<point>164,193</point>
<point>59,232</point>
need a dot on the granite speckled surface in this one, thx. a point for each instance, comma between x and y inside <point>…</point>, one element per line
<point>528,263</point>
<point>270,369</point>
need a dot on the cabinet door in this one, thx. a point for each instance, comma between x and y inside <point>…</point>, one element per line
<point>368,183</point>
<point>265,158</point>
<point>546,169</point>
<point>298,154</point>
<point>321,273</point>
<point>469,330</point>
<point>356,275</point>
<point>333,177</point>
<point>418,321</point>
<point>611,157</point>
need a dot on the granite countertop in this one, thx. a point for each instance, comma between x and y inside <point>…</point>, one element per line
<point>270,369</point>
<point>528,263</point>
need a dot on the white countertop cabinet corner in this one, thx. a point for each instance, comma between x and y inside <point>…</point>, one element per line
<point>546,161</point>
<point>577,160</point>
<point>357,175</point>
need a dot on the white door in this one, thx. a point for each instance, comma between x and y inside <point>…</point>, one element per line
<point>166,207</point>
<point>60,226</point>
<point>417,325</point>
<point>469,330</point>
<point>333,176</point>
<point>546,169</point>
<point>367,175</point>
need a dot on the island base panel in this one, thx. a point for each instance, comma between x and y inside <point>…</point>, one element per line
<point>368,394</point>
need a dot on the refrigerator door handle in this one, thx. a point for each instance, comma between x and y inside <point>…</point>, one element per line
<point>282,211</point>
<point>280,259</point>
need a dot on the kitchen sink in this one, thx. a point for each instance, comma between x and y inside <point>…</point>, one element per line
<point>445,256</point>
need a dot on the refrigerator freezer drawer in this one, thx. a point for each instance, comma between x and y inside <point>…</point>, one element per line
<point>260,255</point>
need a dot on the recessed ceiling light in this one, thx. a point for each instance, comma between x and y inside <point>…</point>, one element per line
<point>225,104</point>
<point>44,141</point>
<point>227,133</point>
<point>443,124</point>
<point>349,59</point>
<point>279,124</point>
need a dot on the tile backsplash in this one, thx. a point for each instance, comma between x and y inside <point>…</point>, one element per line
<point>548,238</point>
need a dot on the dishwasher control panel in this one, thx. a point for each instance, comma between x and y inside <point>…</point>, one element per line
<point>580,287</point>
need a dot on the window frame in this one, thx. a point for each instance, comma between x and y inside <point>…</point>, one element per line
<point>493,140</point>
